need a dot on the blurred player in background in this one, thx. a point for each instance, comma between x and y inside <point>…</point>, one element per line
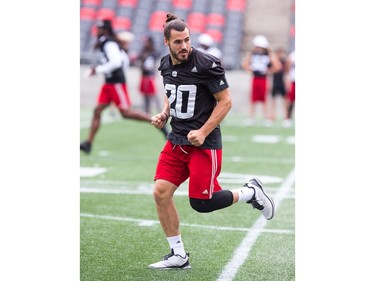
<point>197,99</point>
<point>125,38</point>
<point>278,84</point>
<point>148,58</point>
<point>207,44</point>
<point>113,60</point>
<point>291,86</point>
<point>260,62</point>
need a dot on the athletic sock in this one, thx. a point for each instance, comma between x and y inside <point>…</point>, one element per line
<point>175,243</point>
<point>245,194</point>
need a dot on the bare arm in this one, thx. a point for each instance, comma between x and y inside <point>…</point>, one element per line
<point>288,66</point>
<point>114,58</point>
<point>197,137</point>
<point>246,62</point>
<point>275,63</point>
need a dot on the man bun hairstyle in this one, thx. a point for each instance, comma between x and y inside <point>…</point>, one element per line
<point>172,22</point>
<point>170,17</point>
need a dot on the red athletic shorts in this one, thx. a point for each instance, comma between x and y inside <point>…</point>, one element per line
<point>116,93</point>
<point>179,162</point>
<point>259,89</point>
<point>292,92</point>
<point>147,86</point>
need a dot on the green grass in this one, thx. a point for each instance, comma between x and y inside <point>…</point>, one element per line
<point>120,234</point>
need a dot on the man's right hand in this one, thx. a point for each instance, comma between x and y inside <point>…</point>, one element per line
<point>159,120</point>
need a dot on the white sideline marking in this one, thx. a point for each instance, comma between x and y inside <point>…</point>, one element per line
<point>125,191</point>
<point>91,171</point>
<point>227,178</point>
<point>155,222</point>
<point>291,140</point>
<point>242,178</point>
<point>271,139</point>
<point>261,160</point>
<point>105,120</point>
<point>149,191</point>
<point>242,252</point>
<point>266,138</point>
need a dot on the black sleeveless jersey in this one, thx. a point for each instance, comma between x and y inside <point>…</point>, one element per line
<point>117,75</point>
<point>190,87</point>
<point>260,63</point>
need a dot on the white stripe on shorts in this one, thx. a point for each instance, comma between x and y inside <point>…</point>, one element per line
<point>213,171</point>
<point>121,95</point>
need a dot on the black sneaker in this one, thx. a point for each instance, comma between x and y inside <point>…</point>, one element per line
<point>85,147</point>
<point>172,261</point>
<point>261,200</point>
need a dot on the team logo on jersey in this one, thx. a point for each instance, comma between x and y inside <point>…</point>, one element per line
<point>174,73</point>
<point>214,65</point>
<point>194,69</point>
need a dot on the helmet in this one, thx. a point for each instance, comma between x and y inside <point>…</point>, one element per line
<point>125,36</point>
<point>105,24</point>
<point>260,41</point>
<point>205,39</point>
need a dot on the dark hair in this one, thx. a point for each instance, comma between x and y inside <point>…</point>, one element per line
<point>148,46</point>
<point>106,25</point>
<point>172,22</point>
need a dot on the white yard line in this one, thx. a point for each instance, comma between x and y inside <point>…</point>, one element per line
<point>105,120</point>
<point>243,251</point>
<point>107,117</point>
<point>149,191</point>
<point>155,222</point>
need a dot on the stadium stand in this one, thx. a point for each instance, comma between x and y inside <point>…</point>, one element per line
<point>236,5</point>
<point>87,14</point>
<point>196,22</point>
<point>91,3</point>
<point>121,23</point>
<point>105,13</point>
<point>109,4</point>
<point>224,20</point>
<point>127,3</point>
<point>157,20</point>
<point>183,4</point>
<point>182,8</point>
<point>292,31</point>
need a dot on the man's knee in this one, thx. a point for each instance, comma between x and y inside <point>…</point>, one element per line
<point>219,200</point>
<point>159,193</point>
<point>200,205</point>
<point>163,190</point>
<point>125,113</point>
<point>98,109</point>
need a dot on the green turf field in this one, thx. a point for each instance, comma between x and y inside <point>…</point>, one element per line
<point>120,234</point>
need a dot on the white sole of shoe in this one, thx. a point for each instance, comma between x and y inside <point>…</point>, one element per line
<point>269,198</point>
